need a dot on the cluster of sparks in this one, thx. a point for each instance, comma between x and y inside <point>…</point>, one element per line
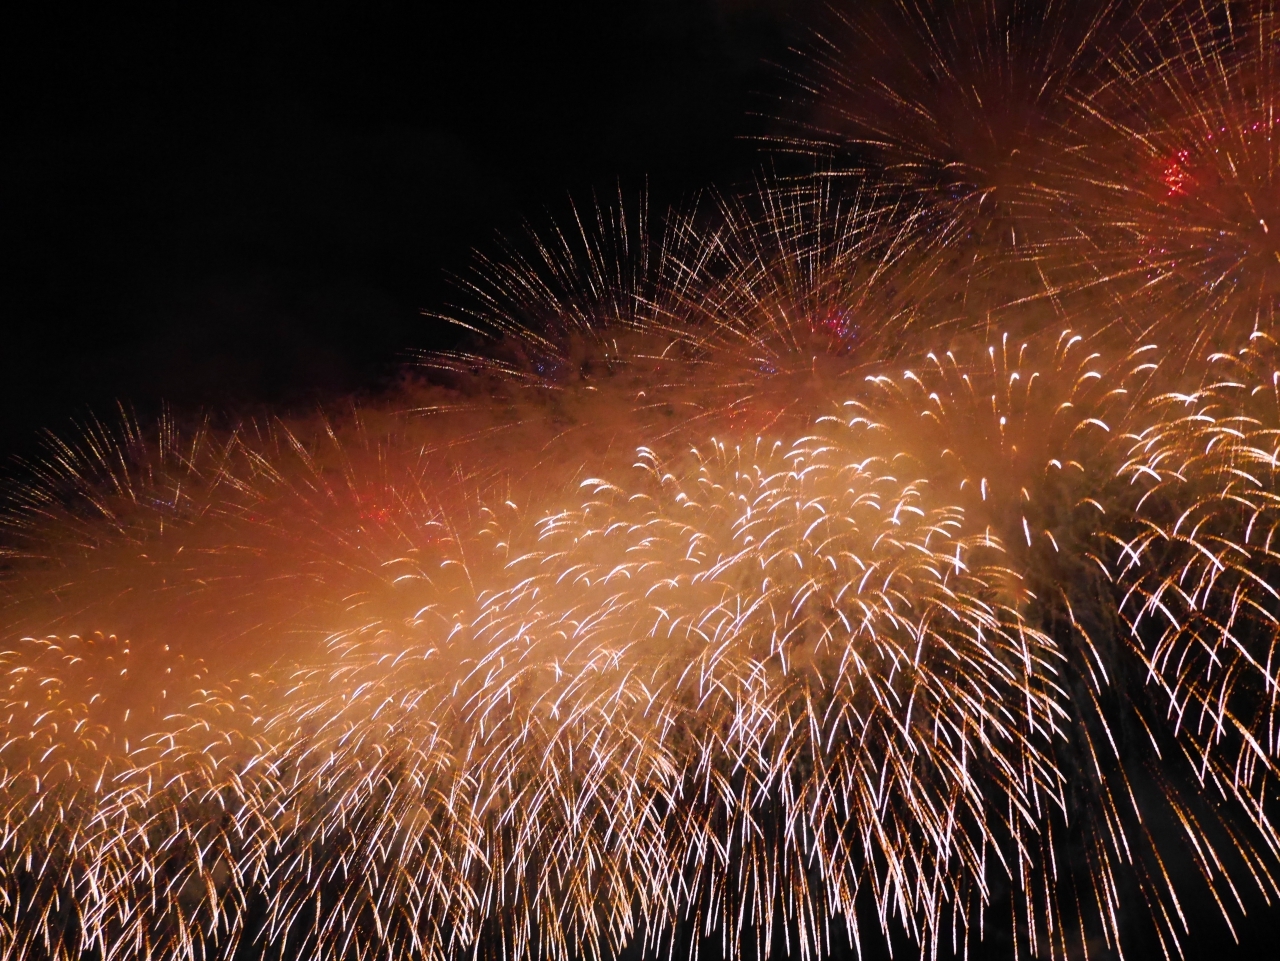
<point>880,557</point>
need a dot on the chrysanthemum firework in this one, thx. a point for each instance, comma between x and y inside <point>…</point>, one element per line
<point>1018,436</point>
<point>743,693</point>
<point>739,310</point>
<point>619,690</point>
<point>1182,165</point>
<point>967,105</point>
<point>1196,567</point>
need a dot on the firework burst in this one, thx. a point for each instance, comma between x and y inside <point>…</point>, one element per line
<point>968,106</point>
<point>1196,571</point>
<point>739,307</point>
<point>734,594</point>
<point>757,688</point>
<point>632,686</point>
<point>1183,169</point>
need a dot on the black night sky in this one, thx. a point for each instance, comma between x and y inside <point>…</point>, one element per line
<point>218,205</point>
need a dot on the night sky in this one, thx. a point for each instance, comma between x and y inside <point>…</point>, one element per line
<point>228,206</point>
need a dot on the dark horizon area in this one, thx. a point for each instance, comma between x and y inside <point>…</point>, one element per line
<point>216,206</point>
